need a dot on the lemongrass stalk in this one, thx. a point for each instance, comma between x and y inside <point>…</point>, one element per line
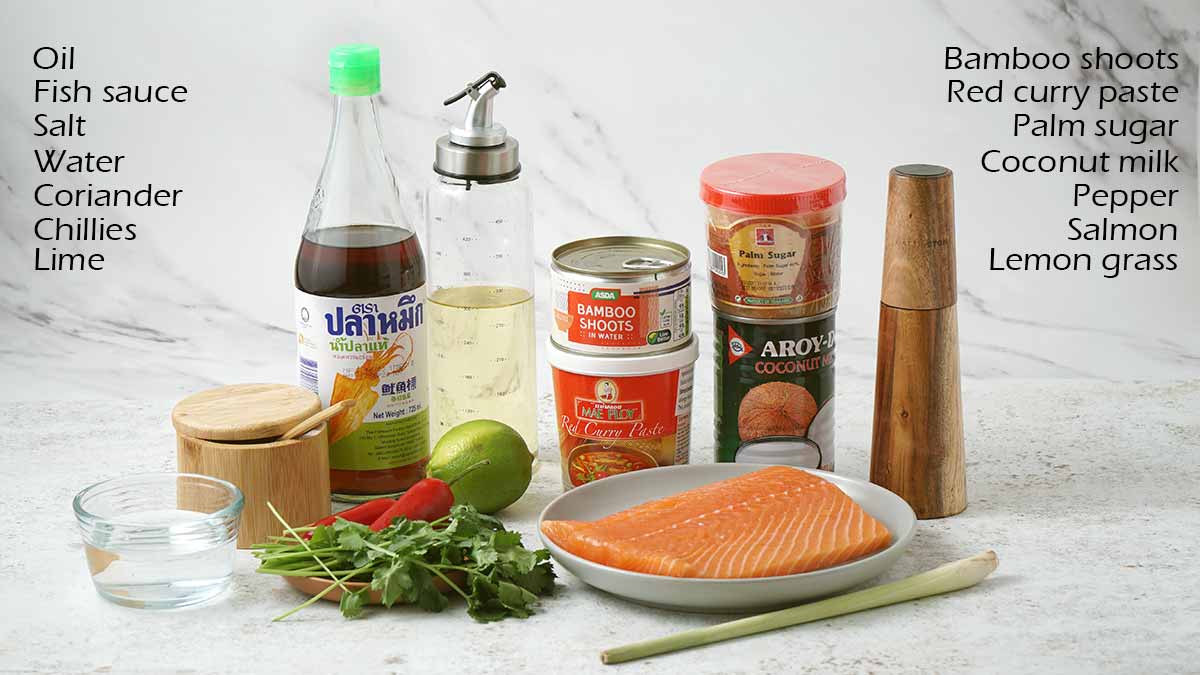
<point>945,579</point>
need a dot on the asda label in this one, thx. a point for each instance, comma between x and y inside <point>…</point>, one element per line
<point>370,351</point>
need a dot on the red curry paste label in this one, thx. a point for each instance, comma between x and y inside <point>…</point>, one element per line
<point>611,425</point>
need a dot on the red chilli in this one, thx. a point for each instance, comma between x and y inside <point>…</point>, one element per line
<point>429,500</point>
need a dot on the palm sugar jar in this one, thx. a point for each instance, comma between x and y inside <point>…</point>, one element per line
<point>774,232</point>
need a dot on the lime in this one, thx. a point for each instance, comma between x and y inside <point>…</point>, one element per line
<point>490,461</point>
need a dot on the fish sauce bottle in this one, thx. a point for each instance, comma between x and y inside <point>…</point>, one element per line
<point>360,297</point>
<point>478,221</point>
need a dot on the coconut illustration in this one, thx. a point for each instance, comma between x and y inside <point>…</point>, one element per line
<point>775,409</point>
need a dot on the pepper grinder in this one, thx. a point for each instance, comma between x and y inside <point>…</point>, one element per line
<point>917,440</point>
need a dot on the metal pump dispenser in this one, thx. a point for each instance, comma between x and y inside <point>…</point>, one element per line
<point>479,150</point>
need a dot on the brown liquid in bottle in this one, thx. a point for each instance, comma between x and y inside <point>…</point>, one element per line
<point>363,261</point>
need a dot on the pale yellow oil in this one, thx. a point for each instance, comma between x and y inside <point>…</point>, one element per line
<point>481,359</point>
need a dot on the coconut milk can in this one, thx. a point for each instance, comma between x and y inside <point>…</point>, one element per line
<point>774,390</point>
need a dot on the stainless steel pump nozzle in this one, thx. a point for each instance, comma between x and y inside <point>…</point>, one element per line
<point>478,130</point>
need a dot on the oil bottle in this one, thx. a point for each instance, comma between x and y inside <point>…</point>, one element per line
<point>360,296</point>
<point>481,274</point>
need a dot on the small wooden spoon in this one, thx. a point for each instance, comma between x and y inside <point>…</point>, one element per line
<point>313,421</point>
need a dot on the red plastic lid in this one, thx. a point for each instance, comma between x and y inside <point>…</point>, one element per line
<point>773,183</point>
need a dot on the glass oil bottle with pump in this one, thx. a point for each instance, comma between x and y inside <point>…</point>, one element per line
<point>480,249</point>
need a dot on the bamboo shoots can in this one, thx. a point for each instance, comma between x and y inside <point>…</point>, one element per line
<point>621,295</point>
<point>230,433</point>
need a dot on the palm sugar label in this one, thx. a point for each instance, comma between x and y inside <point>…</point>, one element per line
<point>776,262</point>
<point>369,351</point>
<point>774,391</point>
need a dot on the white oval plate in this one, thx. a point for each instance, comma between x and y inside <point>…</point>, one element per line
<point>604,497</point>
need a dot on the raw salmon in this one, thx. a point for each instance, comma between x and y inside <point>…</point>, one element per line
<point>774,521</point>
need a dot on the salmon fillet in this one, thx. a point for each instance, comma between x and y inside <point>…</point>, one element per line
<point>774,521</point>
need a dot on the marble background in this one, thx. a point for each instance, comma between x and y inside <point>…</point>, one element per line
<point>617,110</point>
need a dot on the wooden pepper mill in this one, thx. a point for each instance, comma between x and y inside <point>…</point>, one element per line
<point>917,440</point>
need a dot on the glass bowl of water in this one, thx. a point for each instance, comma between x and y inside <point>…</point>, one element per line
<point>160,540</point>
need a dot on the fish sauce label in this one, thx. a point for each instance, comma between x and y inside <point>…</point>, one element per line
<point>774,391</point>
<point>371,351</point>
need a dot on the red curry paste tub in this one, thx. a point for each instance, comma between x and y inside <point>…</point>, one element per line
<point>621,413</point>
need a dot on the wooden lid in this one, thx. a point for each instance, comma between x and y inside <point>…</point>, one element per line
<point>918,254</point>
<point>244,412</point>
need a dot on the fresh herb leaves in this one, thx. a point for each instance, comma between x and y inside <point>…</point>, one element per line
<point>469,553</point>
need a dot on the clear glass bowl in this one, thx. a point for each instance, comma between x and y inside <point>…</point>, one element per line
<point>160,540</point>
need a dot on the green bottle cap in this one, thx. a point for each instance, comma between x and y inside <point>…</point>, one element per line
<point>354,70</point>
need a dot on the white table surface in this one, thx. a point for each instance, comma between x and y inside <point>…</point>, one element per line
<point>1089,491</point>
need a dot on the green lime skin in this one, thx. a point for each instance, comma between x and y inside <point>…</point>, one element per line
<point>493,486</point>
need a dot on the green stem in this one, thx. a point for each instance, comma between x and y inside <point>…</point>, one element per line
<point>290,530</point>
<point>277,540</point>
<point>381,549</point>
<point>306,572</point>
<point>299,562</point>
<point>481,463</point>
<point>336,583</point>
<point>945,579</point>
<point>444,578</point>
<point>295,554</point>
<point>460,568</point>
<point>439,521</point>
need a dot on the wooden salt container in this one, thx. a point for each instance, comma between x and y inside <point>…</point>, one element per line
<point>229,433</point>
<point>917,441</point>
